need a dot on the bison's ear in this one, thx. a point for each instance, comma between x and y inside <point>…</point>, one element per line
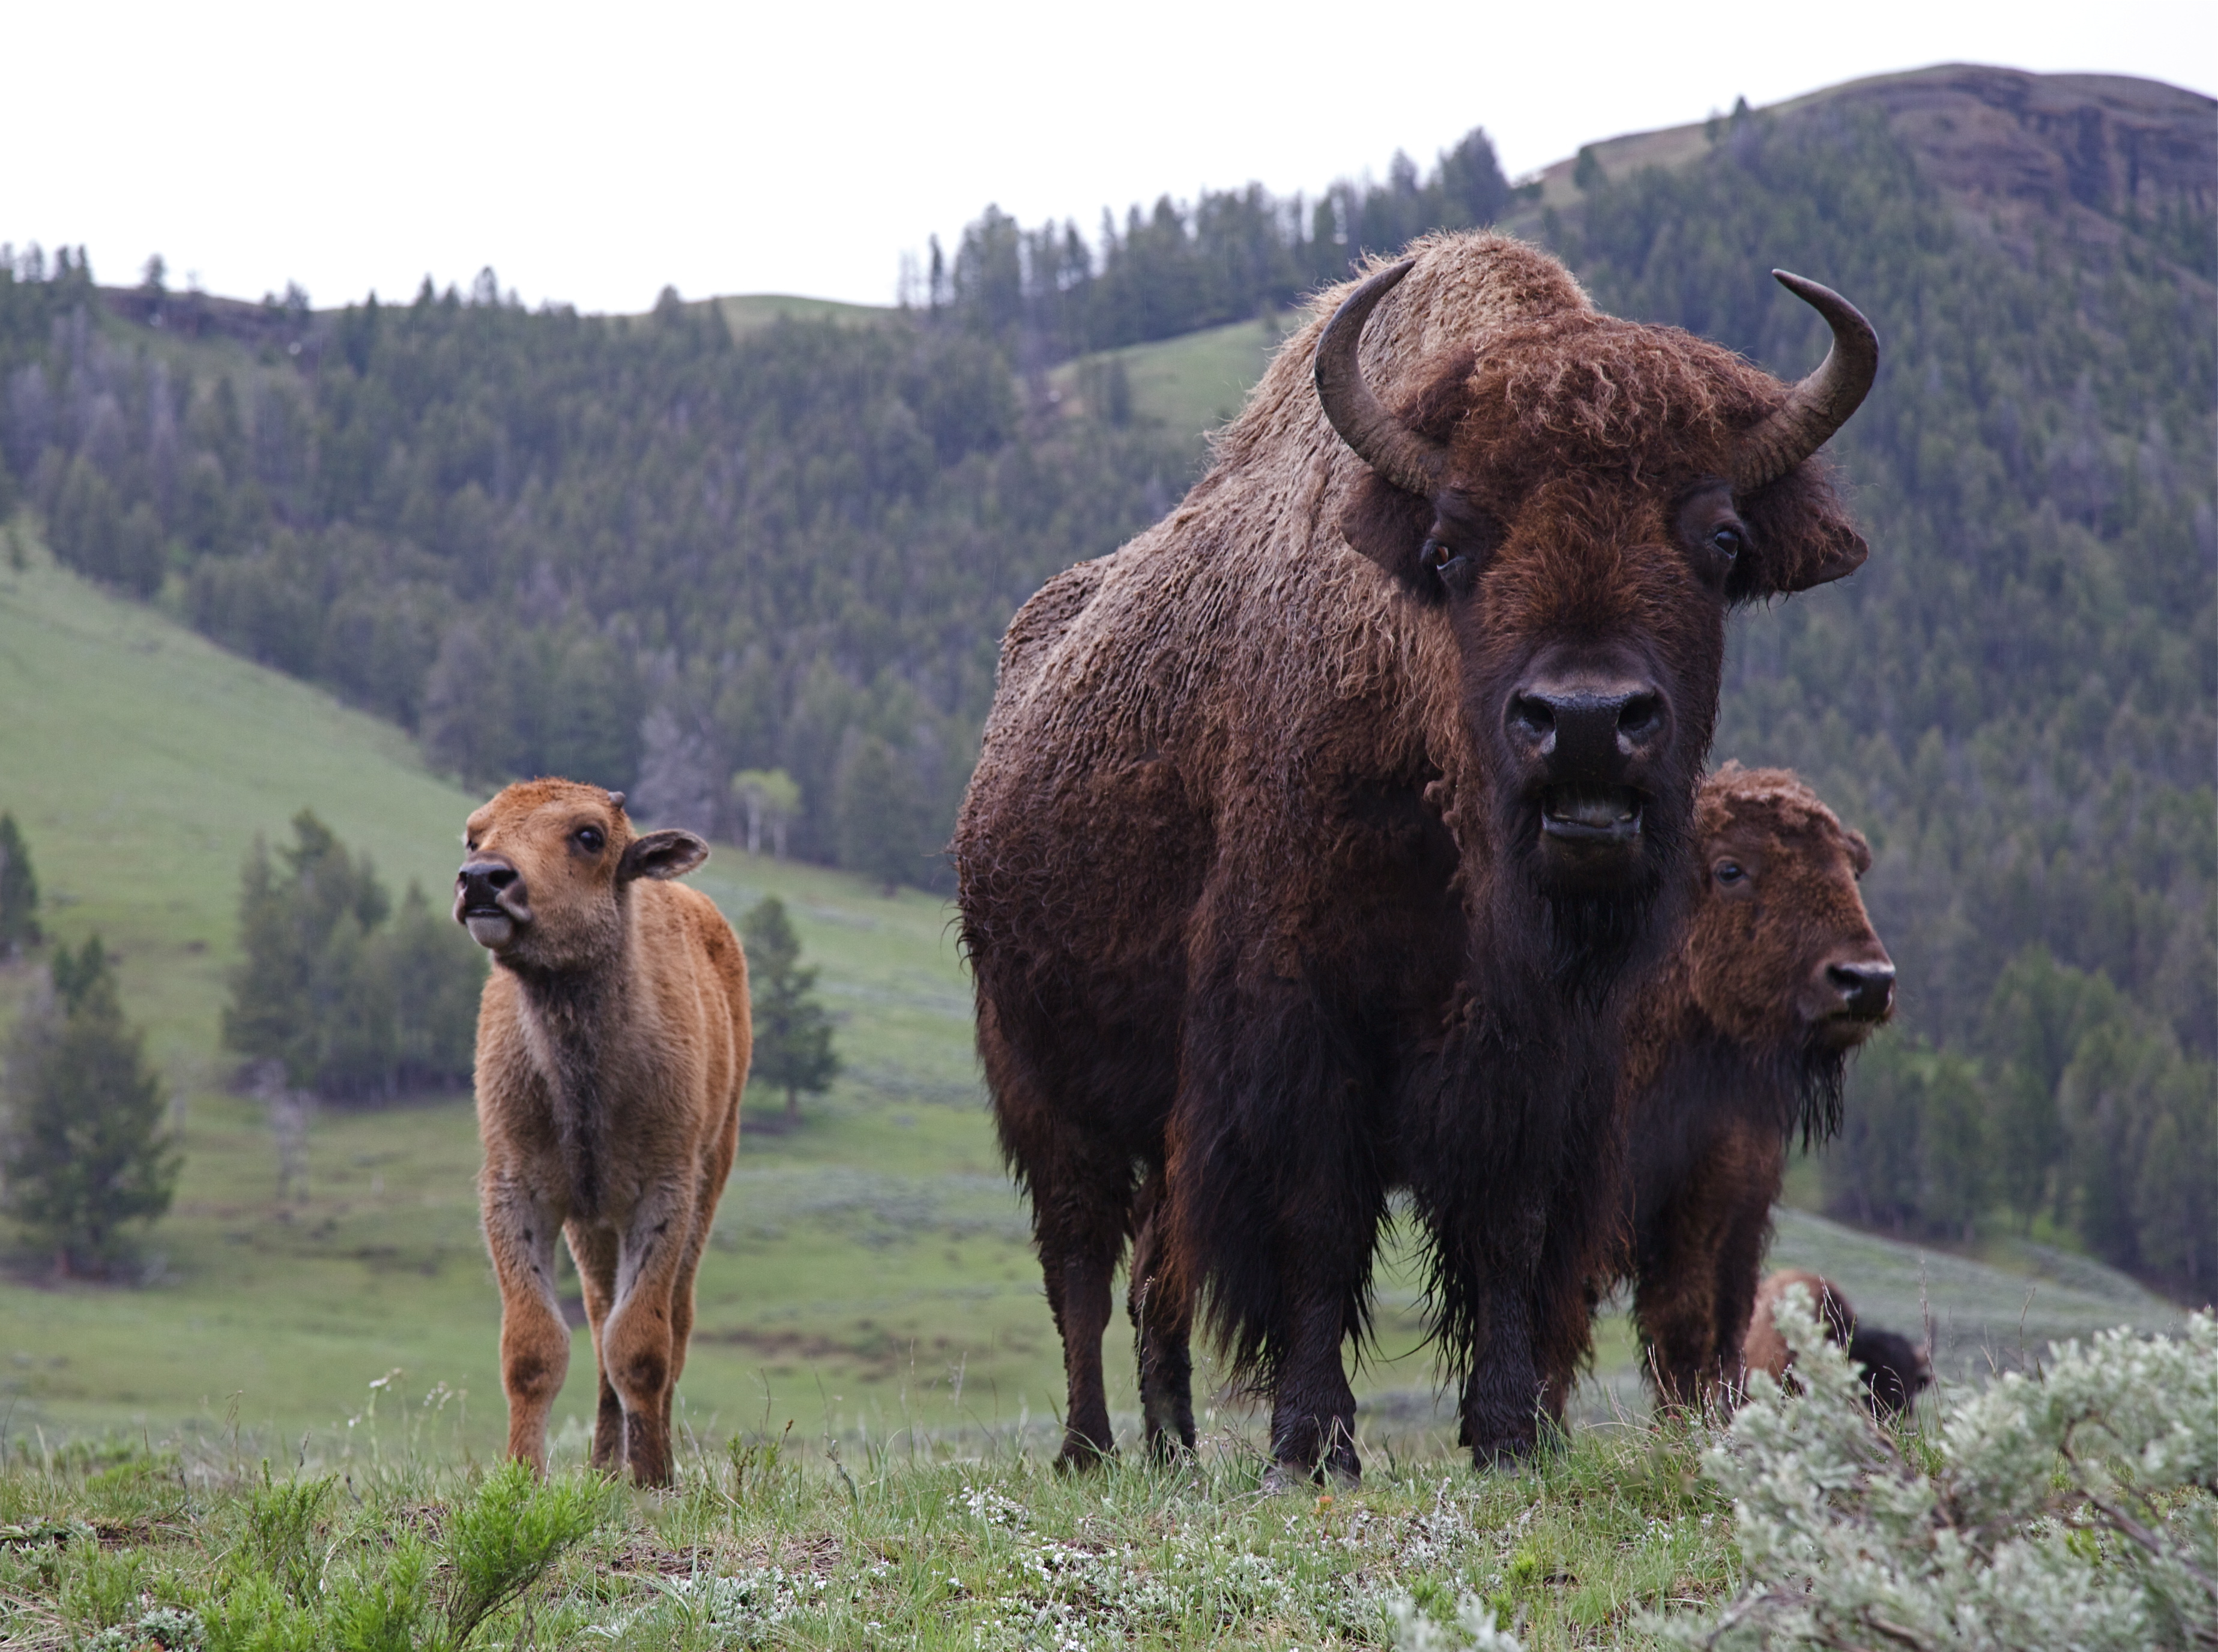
<point>665,854</point>
<point>1388,525</point>
<point>1859,853</point>
<point>1803,535</point>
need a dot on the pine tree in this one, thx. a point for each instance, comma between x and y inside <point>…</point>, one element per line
<point>83,1150</point>
<point>793,1033</point>
<point>19,892</point>
<point>875,812</point>
<point>346,1006</point>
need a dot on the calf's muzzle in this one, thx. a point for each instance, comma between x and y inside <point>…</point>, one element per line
<point>1865,989</point>
<point>491,900</point>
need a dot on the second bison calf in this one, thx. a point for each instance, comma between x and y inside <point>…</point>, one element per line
<point>1736,1041</point>
<point>613,1043</point>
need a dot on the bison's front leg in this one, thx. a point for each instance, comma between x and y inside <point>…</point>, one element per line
<point>638,1347</point>
<point>1502,1391</point>
<point>535,1343</point>
<point>1275,1202</point>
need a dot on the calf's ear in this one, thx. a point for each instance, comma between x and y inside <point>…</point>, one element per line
<point>1859,853</point>
<point>667,853</point>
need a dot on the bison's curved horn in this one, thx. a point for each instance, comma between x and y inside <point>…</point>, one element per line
<point>1381,441</point>
<point>1819,406</point>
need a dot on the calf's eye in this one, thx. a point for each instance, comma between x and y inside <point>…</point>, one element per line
<point>589,839</point>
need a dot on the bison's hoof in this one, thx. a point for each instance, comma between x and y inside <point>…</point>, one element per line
<point>1166,1450</point>
<point>1509,1453</point>
<point>1079,1455</point>
<point>1303,1477</point>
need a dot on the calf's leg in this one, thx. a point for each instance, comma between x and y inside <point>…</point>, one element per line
<point>535,1343</point>
<point>637,1347</point>
<point>594,1250</point>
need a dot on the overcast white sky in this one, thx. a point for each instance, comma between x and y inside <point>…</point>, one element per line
<point>590,154</point>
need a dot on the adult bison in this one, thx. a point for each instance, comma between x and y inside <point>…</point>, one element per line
<point>1741,1038</point>
<point>1314,827</point>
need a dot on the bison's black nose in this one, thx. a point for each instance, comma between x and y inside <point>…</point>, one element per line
<point>1587,731</point>
<point>1866,990</point>
<point>482,882</point>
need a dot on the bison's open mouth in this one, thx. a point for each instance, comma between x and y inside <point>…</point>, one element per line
<point>1591,815</point>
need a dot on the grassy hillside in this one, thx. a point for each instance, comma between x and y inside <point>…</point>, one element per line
<point>1188,385</point>
<point>870,1270</point>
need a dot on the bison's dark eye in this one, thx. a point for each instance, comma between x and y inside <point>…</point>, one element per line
<point>588,838</point>
<point>1451,567</point>
<point>1729,872</point>
<point>1728,541</point>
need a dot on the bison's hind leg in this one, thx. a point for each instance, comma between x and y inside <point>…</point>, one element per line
<point>1162,1327</point>
<point>1079,1223</point>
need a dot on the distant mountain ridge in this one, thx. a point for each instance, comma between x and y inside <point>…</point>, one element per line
<point>2094,156</point>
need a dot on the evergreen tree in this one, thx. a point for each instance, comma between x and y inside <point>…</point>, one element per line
<point>347,1007</point>
<point>83,1149</point>
<point>792,1032</point>
<point>436,977</point>
<point>876,812</point>
<point>19,892</point>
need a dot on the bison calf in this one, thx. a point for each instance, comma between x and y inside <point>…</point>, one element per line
<point>1740,1038</point>
<point>1894,1369</point>
<point>612,1045</point>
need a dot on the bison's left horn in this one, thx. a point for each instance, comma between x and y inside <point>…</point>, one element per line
<point>1819,406</point>
<point>1381,441</point>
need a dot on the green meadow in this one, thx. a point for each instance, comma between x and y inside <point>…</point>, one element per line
<point>869,1280</point>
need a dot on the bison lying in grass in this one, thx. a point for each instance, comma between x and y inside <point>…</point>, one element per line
<point>613,1048</point>
<point>1893,1368</point>
<point>1316,830</point>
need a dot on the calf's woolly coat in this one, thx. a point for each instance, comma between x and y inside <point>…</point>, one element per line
<point>613,1044</point>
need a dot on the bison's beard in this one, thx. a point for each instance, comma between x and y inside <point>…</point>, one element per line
<point>1587,942</point>
<point>1816,1081</point>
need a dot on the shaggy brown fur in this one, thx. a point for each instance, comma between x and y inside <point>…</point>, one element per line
<point>613,1044</point>
<point>1894,1369</point>
<point>1739,1038</point>
<point>1254,879</point>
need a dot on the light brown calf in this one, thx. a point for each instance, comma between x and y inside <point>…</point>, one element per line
<point>612,1045</point>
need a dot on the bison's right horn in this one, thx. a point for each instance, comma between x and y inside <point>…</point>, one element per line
<point>1381,441</point>
<point>1819,406</point>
